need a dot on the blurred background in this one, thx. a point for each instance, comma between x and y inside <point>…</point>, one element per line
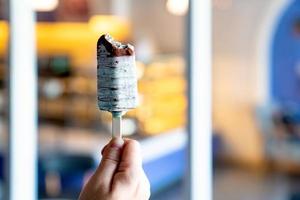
<point>256,94</point>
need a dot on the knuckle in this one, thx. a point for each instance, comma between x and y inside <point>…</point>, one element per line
<point>125,166</point>
<point>110,159</point>
<point>127,177</point>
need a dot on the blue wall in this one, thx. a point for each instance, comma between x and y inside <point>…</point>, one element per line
<point>285,56</point>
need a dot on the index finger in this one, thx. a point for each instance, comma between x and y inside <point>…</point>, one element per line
<point>110,160</point>
<point>131,156</point>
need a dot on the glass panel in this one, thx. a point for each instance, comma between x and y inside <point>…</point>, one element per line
<point>72,128</point>
<point>256,99</point>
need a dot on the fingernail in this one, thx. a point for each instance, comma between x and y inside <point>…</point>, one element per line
<point>115,148</point>
<point>117,143</point>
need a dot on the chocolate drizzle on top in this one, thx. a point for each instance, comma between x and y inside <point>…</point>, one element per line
<point>115,48</point>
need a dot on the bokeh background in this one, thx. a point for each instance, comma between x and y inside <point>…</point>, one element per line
<point>256,94</point>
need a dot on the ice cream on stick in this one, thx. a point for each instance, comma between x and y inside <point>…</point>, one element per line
<point>116,79</point>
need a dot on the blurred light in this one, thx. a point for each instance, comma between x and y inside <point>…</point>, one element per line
<point>114,25</point>
<point>145,49</point>
<point>129,126</point>
<point>140,69</point>
<point>177,7</point>
<point>45,5</point>
<point>53,89</point>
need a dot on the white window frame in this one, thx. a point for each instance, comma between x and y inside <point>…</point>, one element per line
<point>199,77</point>
<point>22,101</point>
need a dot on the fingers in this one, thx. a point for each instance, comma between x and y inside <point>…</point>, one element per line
<point>110,161</point>
<point>119,156</point>
<point>120,173</point>
<point>131,158</point>
<point>104,148</point>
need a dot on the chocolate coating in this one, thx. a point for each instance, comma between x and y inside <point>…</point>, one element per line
<point>115,48</point>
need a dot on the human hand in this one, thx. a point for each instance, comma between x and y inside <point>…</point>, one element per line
<point>120,175</point>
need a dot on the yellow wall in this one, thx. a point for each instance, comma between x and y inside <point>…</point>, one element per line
<point>77,40</point>
<point>234,110</point>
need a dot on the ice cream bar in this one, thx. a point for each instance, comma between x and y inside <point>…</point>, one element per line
<point>116,74</point>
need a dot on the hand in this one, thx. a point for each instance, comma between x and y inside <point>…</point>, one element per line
<point>120,175</point>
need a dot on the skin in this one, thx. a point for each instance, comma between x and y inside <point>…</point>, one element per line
<point>120,175</point>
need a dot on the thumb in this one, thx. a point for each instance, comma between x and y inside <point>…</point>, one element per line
<point>131,159</point>
<point>110,161</point>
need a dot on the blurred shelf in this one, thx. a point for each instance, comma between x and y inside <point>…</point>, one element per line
<point>164,158</point>
<point>155,147</point>
<point>91,142</point>
<point>163,155</point>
